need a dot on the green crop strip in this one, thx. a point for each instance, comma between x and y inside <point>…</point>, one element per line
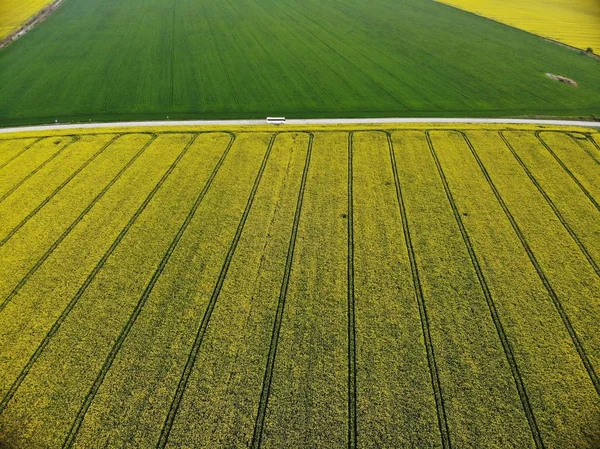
<point>508,351</point>
<point>565,318</point>
<point>268,377</point>
<point>433,369</point>
<point>243,59</point>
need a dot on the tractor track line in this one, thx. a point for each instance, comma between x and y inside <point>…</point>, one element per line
<point>58,323</point>
<point>38,168</point>
<point>66,232</point>
<point>78,421</point>
<point>433,370</point>
<point>20,152</point>
<point>506,346</point>
<point>589,139</point>
<point>352,423</point>
<point>567,170</point>
<point>253,128</point>
<point>195,349</point>
<point>10,139</point>
<point>555,209</point>
<point>268,377</point>
<point>555,299</point>
<point>58,189</point>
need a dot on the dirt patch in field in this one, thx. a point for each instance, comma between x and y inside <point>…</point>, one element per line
<point>562,79</point>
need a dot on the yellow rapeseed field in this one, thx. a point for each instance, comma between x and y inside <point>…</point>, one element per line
<point>573,22</point>
<point>14,13</point>
<point>335,286</point>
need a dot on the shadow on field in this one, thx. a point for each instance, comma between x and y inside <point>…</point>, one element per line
<point>8,439</point>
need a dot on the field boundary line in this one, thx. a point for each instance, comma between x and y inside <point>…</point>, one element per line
<point>352,390</point>
<point>279,128</point>
<point>315,121</point>
<point>58,323</point>
<point>31,22</point>
<point>506,346</point>
<point>554,208</point>
<point>277,322</point>
<point>566,169</point>
<point>27,147</point>
<point>195,349</point>
<point>589,139</point>
<point>555,299</point>
<point>116,347</point>
<point>38,168</point>
<point>66,232</point>
<point>425,329</point>
<point>521,30</point>
<point>56,190</point>
<point>9,139</point>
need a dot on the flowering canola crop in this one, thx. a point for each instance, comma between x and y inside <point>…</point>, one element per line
<point>573,22</point>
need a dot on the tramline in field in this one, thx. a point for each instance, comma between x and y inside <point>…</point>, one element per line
<point>306,287</point>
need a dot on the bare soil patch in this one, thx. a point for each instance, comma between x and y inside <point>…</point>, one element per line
<point>562,79</point>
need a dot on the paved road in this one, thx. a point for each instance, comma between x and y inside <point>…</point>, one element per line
<point>327,121</point>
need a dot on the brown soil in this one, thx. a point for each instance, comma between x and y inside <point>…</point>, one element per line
<point>562,79</point>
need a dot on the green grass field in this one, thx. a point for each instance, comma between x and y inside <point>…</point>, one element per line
<point>324,287</point>
<point>149,59</point>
